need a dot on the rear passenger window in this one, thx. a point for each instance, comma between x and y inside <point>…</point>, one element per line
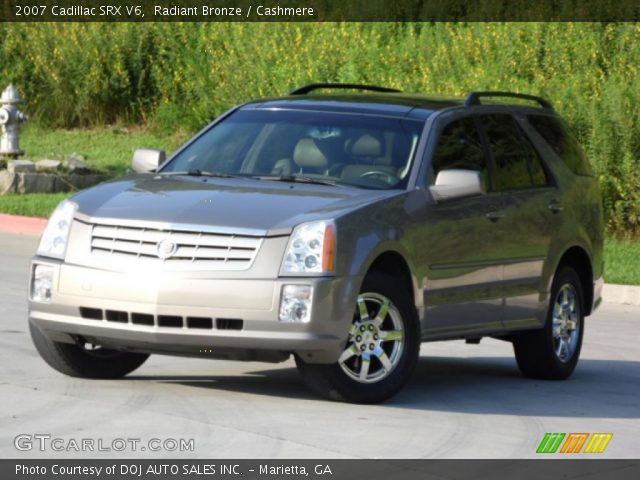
<point>557,134</point>
<point>518,164</point>
<point>460,147</point>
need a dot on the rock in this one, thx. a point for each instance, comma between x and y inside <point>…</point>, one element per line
<point>85,181</point>
<point>3,164</point>
<point>8,182</point>
<point>77,163</point>
<point>21,166</point>
<point>36,183</point>
<point>48,166</point>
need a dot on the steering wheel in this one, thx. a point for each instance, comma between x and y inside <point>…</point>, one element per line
<point>388,177</point>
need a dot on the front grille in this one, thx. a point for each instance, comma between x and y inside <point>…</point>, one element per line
<point>173,248</point>
<point>167,321</point>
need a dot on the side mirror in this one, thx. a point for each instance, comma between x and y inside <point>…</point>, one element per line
<point>457,183</point>
<point>146,160</point>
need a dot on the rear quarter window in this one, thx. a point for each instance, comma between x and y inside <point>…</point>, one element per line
<point>558,135</point>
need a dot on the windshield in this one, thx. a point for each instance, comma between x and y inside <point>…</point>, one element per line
<point>353,149</point>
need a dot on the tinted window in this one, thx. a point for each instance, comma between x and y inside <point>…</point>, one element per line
<point>517,162</point>
<point>460,147</point>
<point>559,137</point>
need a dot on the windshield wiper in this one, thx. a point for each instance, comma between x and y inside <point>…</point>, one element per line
<point>196,172</point>
<point>298,178</point>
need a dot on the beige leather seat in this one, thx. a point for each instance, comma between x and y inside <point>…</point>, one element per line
<point>368,151</point>
<point>308,158</point>
<point>284,166</point>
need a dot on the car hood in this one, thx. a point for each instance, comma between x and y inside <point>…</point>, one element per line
<point>267,207</point>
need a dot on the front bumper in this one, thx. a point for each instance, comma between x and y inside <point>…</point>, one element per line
<point>251,304</point>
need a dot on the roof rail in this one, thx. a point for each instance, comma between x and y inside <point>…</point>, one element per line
<point>474,98</point>
<point>351,86</point>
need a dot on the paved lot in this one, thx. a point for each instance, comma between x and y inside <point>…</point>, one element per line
<point>465,401</point>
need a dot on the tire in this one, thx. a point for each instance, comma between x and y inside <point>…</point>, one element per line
<point>390,339</point>
<point>538,353</point>
<point>80,361</point>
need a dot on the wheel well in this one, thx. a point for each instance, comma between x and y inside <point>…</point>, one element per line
<point>578,259</point>
<point>392,263</point>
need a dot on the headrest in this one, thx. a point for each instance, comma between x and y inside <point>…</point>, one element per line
<point>366,146</point>
<point>308,155</point>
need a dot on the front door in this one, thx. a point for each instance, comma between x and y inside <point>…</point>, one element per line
<point>461,252</point>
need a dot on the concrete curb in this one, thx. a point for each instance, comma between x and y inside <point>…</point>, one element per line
<point>22,225</point>
<point>623,294</point>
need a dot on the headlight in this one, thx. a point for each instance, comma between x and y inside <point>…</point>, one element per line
<point>311,249</point>
<point>54,239</point>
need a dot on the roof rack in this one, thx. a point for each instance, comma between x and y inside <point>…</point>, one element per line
<point>474,98</point>
<point>351,86</point>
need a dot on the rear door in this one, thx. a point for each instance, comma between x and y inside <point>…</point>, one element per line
<point>531,217</point>
<point>463,263</point>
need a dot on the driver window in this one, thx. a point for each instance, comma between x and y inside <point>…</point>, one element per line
<point>460,147</point>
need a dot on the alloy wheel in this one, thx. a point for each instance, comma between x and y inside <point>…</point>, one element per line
<point>376,340</point>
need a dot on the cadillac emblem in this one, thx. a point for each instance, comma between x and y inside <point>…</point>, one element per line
<point>166,249</point>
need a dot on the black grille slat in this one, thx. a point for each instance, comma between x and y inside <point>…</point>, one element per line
<point>117,316</point>
<point>199,322</point>
<point>170,321</point>
<point>91,313</point>
<point>142,319</point>
<point>229,324</point>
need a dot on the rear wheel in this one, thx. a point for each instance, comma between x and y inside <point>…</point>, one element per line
<point>83,359</point>
<point>552,353</point>
<point>381,351</point>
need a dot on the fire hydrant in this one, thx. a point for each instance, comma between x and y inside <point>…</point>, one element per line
<point>10,118</point>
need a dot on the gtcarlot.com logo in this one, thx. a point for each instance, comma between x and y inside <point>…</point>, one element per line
<point>573,442</point>
<point>46,442</point>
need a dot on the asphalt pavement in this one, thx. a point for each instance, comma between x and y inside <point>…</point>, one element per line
<point>464,401</point>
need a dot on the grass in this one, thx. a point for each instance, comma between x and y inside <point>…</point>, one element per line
<point>33,205</point>
<point>622,261</point>
<point>107,149</point>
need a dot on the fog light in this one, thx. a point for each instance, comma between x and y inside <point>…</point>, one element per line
<point>295,303</point>
<point>41,283</point>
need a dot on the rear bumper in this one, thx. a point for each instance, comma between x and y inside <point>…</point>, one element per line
<point>240,315</point>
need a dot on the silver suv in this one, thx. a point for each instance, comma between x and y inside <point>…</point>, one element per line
<point>344,229</point>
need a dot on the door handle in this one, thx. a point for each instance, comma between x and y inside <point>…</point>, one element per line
<point>495,215</point>
<point>555,206</point>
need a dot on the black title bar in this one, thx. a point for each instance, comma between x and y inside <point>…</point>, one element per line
<point>320,469</point>
<point>319,10</point>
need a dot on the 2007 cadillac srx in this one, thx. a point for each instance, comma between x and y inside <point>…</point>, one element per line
<point>342,228</point>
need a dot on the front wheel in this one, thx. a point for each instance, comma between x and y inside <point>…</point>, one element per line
<point>552,353</point>
<point>83,359</point>
<point>381,350</point>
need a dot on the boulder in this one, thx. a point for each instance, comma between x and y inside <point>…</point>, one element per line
<point>21,166</point>
<point>84,181</point>
<point>8,182</point>
<point>36,183</point>
<point>77,163</point>
<point>48,166</point>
